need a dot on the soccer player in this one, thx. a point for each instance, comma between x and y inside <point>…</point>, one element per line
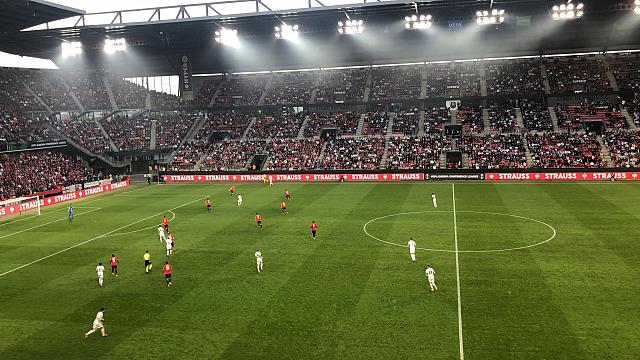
<point>431,276</point>
<point>100,272</point>
<point>314,228</point>
<point>231,190</point>
<point>170,246</point>
<point>70,212</point>
<point>114,264</point>
<point>147,262</point>
<point>98,323</point>
<point>264,179</point>
<point>239,200</point>
<point>286,194</point>
<point>163,237</point>
<point>167,269</point>
<point>208,203</point>
<point>165,222</point>
<point>283,207</point>
<point>259,220</point>
<point>434,200</point>
<point>412,249</point>
<point>258,255</point>
<point>270,180</point>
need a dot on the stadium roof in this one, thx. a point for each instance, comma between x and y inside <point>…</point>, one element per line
<point>22,14</point>
<point>156,43</point>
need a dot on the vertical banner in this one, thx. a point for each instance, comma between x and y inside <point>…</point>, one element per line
<point>185,77</point>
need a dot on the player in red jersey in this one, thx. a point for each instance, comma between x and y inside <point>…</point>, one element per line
<point>165,222</point>
<point>286,194</point>
<point>167,269</point>
<point>208,203</point>
<point>314,228</point>
<point>231,190</point>
<point>283,207</point>
<point>114,264</point>
<point>259,220</point>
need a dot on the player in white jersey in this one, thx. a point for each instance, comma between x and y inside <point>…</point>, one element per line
<point>431,276</point>
<point>100,272</point>
<point>258,255</point>
<point>161,234</point>
<point>239,200</point>
<point>412,249</point>
<point>169,245</point>
<point>434,200</point>
<point>98,323</point>
<point>270,180</point>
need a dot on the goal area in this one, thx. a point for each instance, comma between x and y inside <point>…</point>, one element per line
<point>25,205</point>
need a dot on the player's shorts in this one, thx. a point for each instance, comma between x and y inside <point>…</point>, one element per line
<point>432,280</point>
<point>97,325</point>
<point>167,276</point>
<point>258,261</point>
<point>259,222</point>
<point>209,206</point>
<point>147,262</point>
<point>166,226</point>
<point>169,246</point>
<point>173,245</point>
<point>412,251</point>
<point>313,232</point>
<point>284,208</point>
<point>114,267</point>
<point>101,276</point>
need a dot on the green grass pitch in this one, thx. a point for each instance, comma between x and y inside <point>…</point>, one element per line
<point>344,296</point>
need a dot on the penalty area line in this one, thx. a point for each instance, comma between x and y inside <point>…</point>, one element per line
<point>94,238</point>
<point>45,224</point>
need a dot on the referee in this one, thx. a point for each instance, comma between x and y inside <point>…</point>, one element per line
<point>147,262</point>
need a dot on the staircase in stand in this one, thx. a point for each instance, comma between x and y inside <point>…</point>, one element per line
<point>112,99</point>
<point>554,118</point>
<point>421,123</point>
<point>154,129</point>
<point>367,88</point>
<point>360,125</point>
<point>314,91</point>
<point>321,156</point>
<point>606,154</point>
<point>527,152</point>
<point>465,161</point>
<point>212,102</point>
<point>385,154</point>
<point>38,99</point>
<point>485,120</point>
<point>73,96</point>
<point>612,78</point>
<point>443,160</point>
<point>545,80</point>
<point>519,118</point>
<point>112,145</point>
<point>483,80</point>
<point>267,88</point>
<point>453,113</point>
<point>301,131</point>
<point>392,117</point>
<point>632,124</point>
<point>253,121</point>
<point>423,83</point>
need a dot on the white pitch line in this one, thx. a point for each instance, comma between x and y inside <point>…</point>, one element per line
<point>455,237</point>
<point>94,238</point>
<point>47,223</point>
<point>143,229</point>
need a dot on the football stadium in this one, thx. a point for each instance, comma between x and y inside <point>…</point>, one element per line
<point>319,179</point>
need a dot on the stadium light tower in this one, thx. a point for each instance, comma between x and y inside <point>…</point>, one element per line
<point>568,11</point>
<point>228,37</point>
<point>489,17</point>
<point>71,48</point>
<point>350,27</point>
<point>286,32</point>
<point>415,22</point>
<point>114,45</point>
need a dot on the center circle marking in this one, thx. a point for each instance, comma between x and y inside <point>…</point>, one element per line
<point>364,228</point>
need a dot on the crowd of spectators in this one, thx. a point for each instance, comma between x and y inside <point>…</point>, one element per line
<point>231,154</point>
<point>535,115</point>
<point>241,90</point>
<point>206,91</point>
<point>190,154</point>
<point>171,128</point>
<point>502,117</point>
<point>471,118</point>
<point>406,123</point>
<point>396,82</point>
<point>341,86</point>
<point>83,131</point>
<point>128,133</point>
<point>573,116</point>
<point>127,94</point>
<point>494,151</point>
<point>514,77</point>
<point>435,118</point>
<point>346,123</point>
<point>276,126</point>
<point>353,154</point>
<point>414,153</point>
<point>633,108</point>
<point>290,88</point>
<point>624,147</point>
<point>453,79</point>
<point>88,86</point>
<point>375,123</point>
<point>50,88</point>
<point>30,172</point>
<point>232,123</point>
<point>626,69</point>
<point>581,74</point>
<point>162,100</point>
<point>15,127</point>
<point>13,92</point>
<point>565,150</point>
<point>293,154</point>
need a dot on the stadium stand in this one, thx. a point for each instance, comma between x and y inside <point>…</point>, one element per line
<point>624,148</point>
<point>535,116</point>
<point>89,88</point>
<point>128,133</point>
<point>292,154</point>
<point>502,117</point>
<point>414,153</point>
<point>495,151</point>
<point>580,74</point>
<point>276,126</point>
<point>290,88</point>
<point>375,123</point>
<point>626,69</point>
<point>171,129</point>
<point>406,123</point>
<point>231,154</point>
<point>341,86</point>
<point>84,132</point>
<point>519,77</point>
<point>396,82</point>
<point>565,150</point>
<point>241,90</point>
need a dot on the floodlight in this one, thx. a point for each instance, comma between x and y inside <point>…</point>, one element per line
<point>488,17</point>
<point>227,37</point>
<point>351,27</point>
<point>415,22</point>
<point>286,32</point>
<point>71,48</point>
<point>637,8</point>
<point>114,45</point>
<point>568,11</point>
